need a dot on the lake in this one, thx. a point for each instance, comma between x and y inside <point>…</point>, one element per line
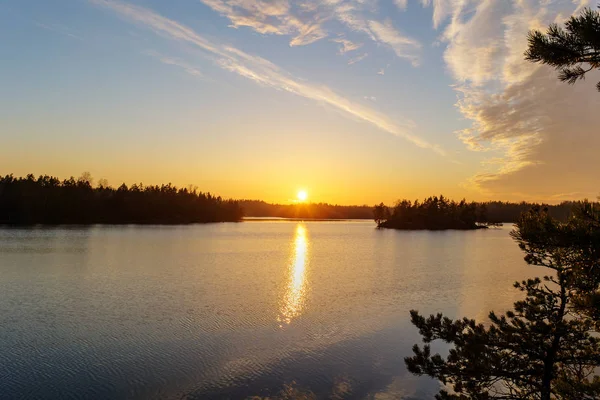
<point>234,310</point>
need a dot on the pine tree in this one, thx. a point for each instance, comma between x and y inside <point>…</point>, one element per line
<point>547,347</point>
<point>573,51</point>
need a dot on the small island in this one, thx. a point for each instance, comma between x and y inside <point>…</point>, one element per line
<point>433,213</point>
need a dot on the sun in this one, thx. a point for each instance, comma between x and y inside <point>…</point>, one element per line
<point>302,195</point>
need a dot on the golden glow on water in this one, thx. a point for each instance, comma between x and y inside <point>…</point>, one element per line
<point>295,294</point>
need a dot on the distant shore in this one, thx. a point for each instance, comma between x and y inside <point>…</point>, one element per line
<point>435,228</point>
<point>261,219</point>
<point>46,200</point>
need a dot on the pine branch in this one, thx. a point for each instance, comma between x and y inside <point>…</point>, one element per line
<point>570,50</point>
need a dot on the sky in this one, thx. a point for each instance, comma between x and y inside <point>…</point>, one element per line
<point>354,101</point>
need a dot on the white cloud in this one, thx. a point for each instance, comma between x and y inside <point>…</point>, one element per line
<point>346,45</point>
<point>305,21</point>
<point>353,15</point>
<point>357,59</point>
<point>442,9</point>
<point>269,17</point>
<point>401,4</point>
<point>263,71</point>
<point>538,131</point>
<point>403,46</point>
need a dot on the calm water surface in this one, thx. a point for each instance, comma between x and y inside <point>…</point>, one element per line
<point>264,308</point>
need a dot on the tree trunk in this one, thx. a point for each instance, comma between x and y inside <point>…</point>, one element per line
<point>550,358</point>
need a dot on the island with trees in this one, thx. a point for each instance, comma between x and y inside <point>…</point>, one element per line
<point>439,213</point>
<point>50,201</point>
<point>433,213</point>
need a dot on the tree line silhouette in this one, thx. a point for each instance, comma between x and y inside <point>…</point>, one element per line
<point>493,211</point>
<point>435,213</point>
<point>259,208</point>
<point>503,211</point>
<point>48,200</point>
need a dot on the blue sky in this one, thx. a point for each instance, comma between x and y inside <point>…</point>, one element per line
<point>358,101</point>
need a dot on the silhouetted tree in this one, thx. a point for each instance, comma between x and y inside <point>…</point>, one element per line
<point>47,200</point>
<point>86,178</point>
<point>381,213</point>
<point>102,183</point>
<point>577,243</point>
<point>573,51</point>
<point>547,347</point>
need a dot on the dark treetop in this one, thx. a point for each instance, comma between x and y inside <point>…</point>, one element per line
<point>573,50</point>
<point>47,200</point>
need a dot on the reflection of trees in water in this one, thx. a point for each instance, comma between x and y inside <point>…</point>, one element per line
<point>65,240</point>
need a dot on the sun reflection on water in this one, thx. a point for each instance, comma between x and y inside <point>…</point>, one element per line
<point>295,294</point>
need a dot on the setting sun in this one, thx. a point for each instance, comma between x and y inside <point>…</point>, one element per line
<point>302,195</point>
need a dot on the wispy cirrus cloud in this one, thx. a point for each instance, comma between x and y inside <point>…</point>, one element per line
<point>178,62</point>
<point>262,71</point>
<point>346,45</point>
<point>358,16</point>
<point>444,8</point>
<point>59,28</point>
<point>358,58</point>
<point>276,17</point>
<point>402,45</point>
<point>305,22</point>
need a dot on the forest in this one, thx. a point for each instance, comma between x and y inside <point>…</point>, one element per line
<point>48,200</point>
<point>258,208</point>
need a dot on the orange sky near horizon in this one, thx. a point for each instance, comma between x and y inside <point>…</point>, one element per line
<point>369,102</point>
<point>319,190</point>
